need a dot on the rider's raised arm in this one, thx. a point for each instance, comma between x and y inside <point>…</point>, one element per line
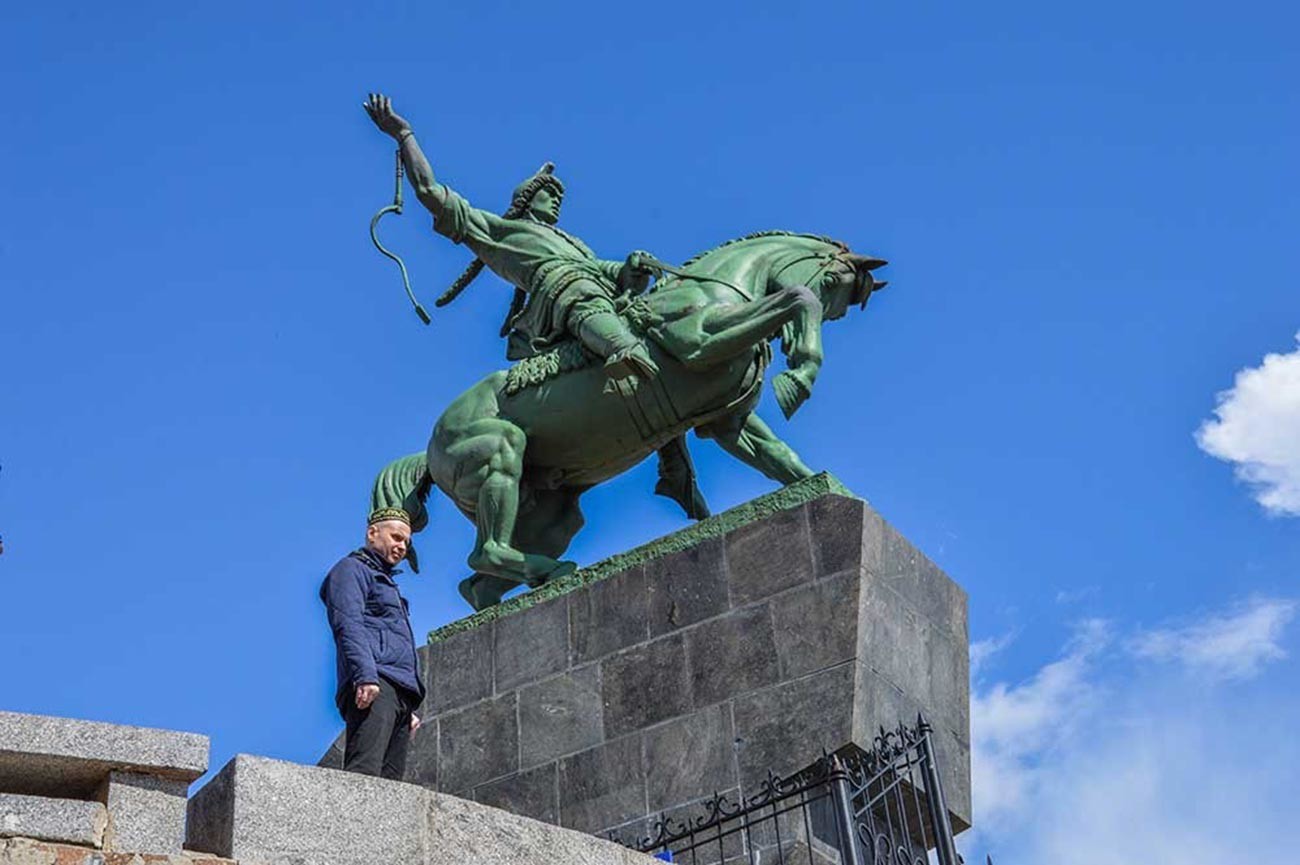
<point>452,214</point>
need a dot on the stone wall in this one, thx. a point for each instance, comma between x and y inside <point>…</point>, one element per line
<point>696,664</point>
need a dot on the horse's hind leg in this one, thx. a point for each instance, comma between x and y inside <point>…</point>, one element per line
<point>489,459</point>
<point>547,522</point>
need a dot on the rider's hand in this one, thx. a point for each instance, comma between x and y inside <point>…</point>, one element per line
<point>380,109</point>
<point>366,695</point>
<point>636,273</point>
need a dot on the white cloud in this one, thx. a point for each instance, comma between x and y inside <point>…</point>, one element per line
<point>982,651</point>
<point>1257,428</point>
<point>1095,760</point>
<point>1011,726</point>
<point>1232,645</point>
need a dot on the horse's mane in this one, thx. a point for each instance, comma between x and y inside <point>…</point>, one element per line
<point>761,234</point>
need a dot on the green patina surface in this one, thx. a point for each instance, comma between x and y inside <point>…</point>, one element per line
<point>792,496</point>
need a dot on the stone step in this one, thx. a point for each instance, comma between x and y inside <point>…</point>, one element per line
<point>275,812</point>
<point>67,821</point>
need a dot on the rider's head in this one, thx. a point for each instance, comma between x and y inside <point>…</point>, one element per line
<point>388,534</point>
<point>539,196</point>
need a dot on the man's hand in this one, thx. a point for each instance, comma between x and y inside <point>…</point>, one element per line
<point>366,695</point>
<point>635,275</point>
<point>415,723</point>
<point>380,109</point>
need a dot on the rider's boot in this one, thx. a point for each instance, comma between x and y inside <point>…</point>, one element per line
<point>607,335</point>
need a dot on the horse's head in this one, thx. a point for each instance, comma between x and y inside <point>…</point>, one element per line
<point>848,281</point>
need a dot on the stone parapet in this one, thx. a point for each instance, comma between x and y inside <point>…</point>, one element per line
<point>138,776</point>
<point>48,756</point>
<point>697,663</point>
<point>283,814</point>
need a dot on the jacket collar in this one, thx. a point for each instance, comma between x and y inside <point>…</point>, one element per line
<point>372,558</point>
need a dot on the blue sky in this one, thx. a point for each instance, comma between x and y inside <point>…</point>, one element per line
<point>1090,212</point>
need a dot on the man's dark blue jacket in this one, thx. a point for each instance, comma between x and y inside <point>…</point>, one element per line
<point>372,626</point>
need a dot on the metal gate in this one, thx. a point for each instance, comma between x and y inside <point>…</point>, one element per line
<point>879,807</point>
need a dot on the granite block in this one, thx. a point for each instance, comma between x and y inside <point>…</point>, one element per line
<point>461,832</point>
<point>533,793</point>
<point>422,754</point>
<point>907,571</point>
<point>68,821</point>
<point>560,716</point>
<point>333,756</point>
<point>608,616</point>
<point>478,743</point>
<point>894,639</point>
<point>768,556</point>
<point>690,758</point>
<point>146,814</point>
<point>42,755</point>
<point>210,813</point>
<point>836,527</point>
<point>815,626</point>
<point>531,644</point>
<point>687,587</point>
<point>271,811</point>
<point>881,703</point>
<point>784,727</point>
<point>644,685</point>
<point>603,787</point>
<point>460,669</point>
<point>732,654</point>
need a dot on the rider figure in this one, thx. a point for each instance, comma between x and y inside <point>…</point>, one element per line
<point>570,291</point>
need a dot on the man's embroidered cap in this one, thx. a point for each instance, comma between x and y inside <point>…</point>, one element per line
<point>379,515</point>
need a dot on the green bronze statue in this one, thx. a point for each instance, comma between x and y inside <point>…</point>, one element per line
<point>607,373</point>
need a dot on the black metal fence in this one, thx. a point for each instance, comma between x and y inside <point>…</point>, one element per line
<point>879,807</point>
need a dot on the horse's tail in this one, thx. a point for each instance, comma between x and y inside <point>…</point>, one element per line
<point>405,483</point>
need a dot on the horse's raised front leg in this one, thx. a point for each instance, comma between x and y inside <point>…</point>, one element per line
<point>488,458</point>
<point>752,442</point>
<point>719,333</point>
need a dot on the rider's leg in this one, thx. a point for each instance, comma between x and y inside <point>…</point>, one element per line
<point>606,334</point>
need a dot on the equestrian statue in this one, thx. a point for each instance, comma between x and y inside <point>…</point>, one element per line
<point>608,370</point>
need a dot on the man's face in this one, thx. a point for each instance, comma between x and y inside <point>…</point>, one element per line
<point>545,207</point>
<point>390,539</point>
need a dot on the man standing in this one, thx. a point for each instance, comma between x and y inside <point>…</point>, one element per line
<point>379,683</point>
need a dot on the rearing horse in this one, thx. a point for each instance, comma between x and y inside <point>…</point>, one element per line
<point>516,460</point>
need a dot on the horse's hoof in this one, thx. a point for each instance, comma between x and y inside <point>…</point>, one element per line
<point>472,590</point>
<point>558,570</point>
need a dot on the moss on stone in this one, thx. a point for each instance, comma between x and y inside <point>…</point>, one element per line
<point>792,496</point>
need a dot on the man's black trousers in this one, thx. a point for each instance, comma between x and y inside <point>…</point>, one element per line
<point>377,737</point>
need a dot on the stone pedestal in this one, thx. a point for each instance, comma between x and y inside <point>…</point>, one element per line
<point>746,643</point>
